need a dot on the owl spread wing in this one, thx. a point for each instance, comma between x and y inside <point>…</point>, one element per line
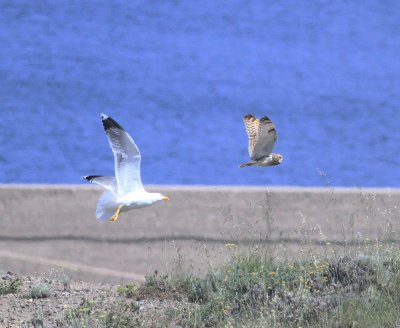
<point>251,124</point>
<point>266,138</point>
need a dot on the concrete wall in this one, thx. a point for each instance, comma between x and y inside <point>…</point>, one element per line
<point>44,226</point>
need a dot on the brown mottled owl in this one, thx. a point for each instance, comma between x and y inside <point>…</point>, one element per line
<point>262,138</point>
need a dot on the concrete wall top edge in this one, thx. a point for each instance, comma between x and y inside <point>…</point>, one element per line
<point>223,188</point>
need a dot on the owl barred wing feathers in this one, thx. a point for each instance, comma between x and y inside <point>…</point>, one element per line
<point>251,124</point>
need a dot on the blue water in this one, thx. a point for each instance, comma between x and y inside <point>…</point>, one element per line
<point>180,75</point>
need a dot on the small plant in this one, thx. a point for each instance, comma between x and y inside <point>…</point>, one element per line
<point>37,322</point>
<point>40,290</point>
<point>98,314</point>
<point>166,287</point>
<point>127,290</point>
<point>10,286</point>
<point>67,281</point>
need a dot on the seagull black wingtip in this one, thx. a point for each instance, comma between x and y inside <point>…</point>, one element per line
<point>90,177</point>
<point>109,123</point>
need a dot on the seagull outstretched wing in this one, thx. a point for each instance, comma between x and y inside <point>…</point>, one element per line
<point>126,156</point>
<point>106,182</point>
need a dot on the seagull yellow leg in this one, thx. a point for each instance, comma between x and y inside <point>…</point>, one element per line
<point>115,216</point>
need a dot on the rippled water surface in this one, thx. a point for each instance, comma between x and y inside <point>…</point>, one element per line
<point>180,75</point>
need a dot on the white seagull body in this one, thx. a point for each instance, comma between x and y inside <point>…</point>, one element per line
<point>124,191</point>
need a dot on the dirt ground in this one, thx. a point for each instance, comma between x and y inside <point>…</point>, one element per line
<point>20,309</point>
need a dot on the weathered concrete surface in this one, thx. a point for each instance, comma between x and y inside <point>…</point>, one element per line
<point>45,226</point>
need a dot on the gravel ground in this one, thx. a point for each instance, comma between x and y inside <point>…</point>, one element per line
<point>20,309</point>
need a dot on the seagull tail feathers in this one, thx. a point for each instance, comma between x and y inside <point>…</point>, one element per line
<point>106,207</point>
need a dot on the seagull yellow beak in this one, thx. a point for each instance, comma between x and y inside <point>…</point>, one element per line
<point>165,198</point>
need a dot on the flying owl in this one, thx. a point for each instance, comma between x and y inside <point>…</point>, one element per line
<point>262,138</point>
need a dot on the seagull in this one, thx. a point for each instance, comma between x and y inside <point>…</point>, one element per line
<point>262,138</point>
<point>124,191</point>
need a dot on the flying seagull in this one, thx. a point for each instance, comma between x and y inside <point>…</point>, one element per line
<point>124,191</point>
<point>262,138</point>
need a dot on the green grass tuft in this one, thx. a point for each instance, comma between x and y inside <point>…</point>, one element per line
<point>40,290</point>
<point>128,290</point>
<point>97,314</point>
<point>10,286</point>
